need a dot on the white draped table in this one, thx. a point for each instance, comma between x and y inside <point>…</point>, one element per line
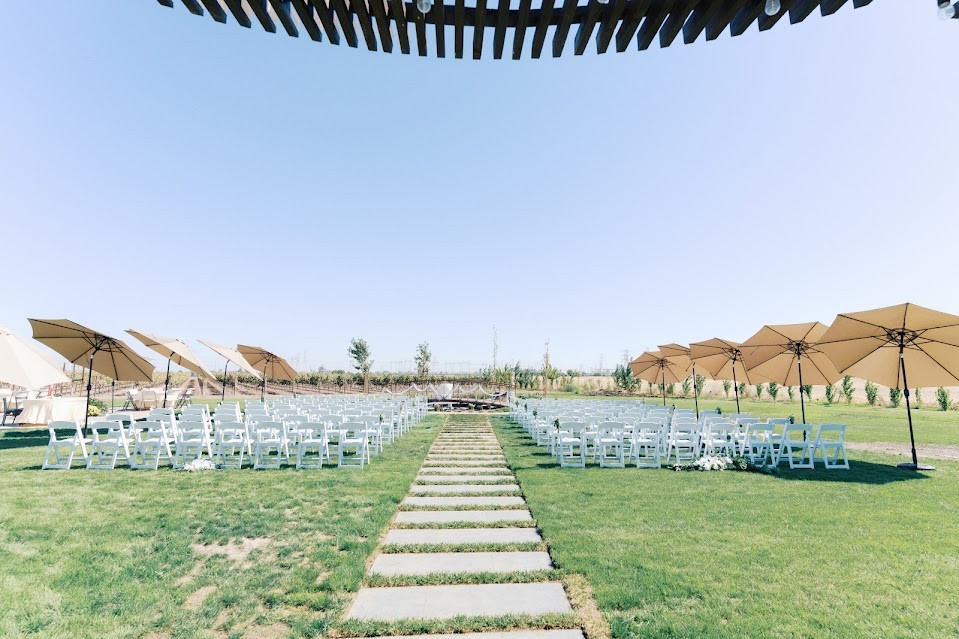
<point>41,411</point>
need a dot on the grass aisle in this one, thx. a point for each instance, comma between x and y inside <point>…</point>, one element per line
<point>871,552</point>
<point>176,555</point>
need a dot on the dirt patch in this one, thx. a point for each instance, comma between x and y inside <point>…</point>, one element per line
<point>929,451</point>
<point>238,552</point>
<point>580,594</point>
<point>197,597</point>
<point>272,631</point>
<point>158,635</point>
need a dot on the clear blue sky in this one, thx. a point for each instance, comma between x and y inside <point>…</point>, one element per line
<point>162,172</point>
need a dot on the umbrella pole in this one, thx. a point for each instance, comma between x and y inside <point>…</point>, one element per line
<point>86,413</point>
<point>735,386</point>
<point>695,392</point>
<point>802,404</point>
<point>223,396</point>
<point>664,385</point>
<point>166,384</point>
<point>905,385</point>
<point>263,392</point>
<point>113,394</point>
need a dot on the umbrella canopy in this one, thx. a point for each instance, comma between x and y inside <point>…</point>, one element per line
<point>789,354</point>
<point>94,351</point>
<point>719,357</point>
<point>272,366</point>
<point>175,351</point>
<point>680,354</point>
<point>886,344</point>
<point>656,368</point>
<point>88,348</point>
<point>22,365</point>
<point>230,355</point>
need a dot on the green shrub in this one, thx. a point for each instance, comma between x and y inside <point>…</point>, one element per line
<point>791,391</point>
<point>872,393</point>
<point>742,389</point>
<point>830,393</point>
<point>773,390</point>
<point>671,389</point>
<point>848,389</point>
<point>918,395</point>
<point>570,387</point>
<point>895,396</point>
<point>942,398</point>
<point>759,391</point>
<point>727,386</point>
<point>807,389</point>
<point>687,386</point>
<point>700,381</point>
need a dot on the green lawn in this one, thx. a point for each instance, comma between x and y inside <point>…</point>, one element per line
<point>871,552</point>
<point>866,423</point>
<point>144,554</point>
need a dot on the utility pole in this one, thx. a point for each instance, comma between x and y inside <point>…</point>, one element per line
<point>495,348</point>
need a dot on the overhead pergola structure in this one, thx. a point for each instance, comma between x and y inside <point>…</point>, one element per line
<point>384,25</point>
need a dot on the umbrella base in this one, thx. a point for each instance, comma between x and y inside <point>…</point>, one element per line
<point>911,466</point>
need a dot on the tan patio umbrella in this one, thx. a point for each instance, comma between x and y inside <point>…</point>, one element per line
<point>677,352</point>
<point>882,344</point>
<point>176,351</point>
<point>21,364</point>
<point>719,358</point>
<point>654,367</point>
<point>94,351</point>
<point>230,355</point>
<point>778,353</point>
<point>273,366</point>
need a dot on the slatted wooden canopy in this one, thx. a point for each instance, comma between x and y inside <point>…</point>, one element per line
<point>382,25</point>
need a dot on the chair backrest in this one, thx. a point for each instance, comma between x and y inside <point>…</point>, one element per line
<point>796,433</point>
<point>52,427</point>
<point>832,433</point>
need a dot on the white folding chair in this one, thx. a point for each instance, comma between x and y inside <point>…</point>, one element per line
<point>151,443</point>
<point>269,445</point>
<point>312,439</point>
<point>610,445</point>
<point>796,446</point>
<point>229,445</point>
<point>106,442</point>
<point>831,443</point>
<point>61,451</point>
<point>353,445</point>
<point>571,445</point>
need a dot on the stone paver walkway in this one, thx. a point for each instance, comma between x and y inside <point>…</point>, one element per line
<point>446,509</point>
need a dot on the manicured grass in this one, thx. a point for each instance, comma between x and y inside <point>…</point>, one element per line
<point>866,423</point>
<point>129,553</point>
<point>870,552</point>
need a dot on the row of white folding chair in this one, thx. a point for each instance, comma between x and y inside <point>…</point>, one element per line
<point>799,446</point>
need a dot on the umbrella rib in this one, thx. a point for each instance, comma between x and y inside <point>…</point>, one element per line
<point>948,372</point>
<point>857,339</point>
<point>816,366</point>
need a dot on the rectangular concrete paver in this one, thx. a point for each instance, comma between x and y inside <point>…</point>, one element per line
<point>463,479</point>
<point>464,501</point>
<point>409,536</point>
<point>465,488</point>
<point>446,602</point>
<point>456,470</point>
<point>464,462</point>
<point>459,562</point>
<point>453,516</point>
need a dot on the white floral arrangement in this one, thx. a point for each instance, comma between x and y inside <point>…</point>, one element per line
<point>709,462</point>
<point>198,465</point>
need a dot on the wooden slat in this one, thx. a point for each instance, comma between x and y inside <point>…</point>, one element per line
<point>439,18</point>
<point>378,8</point>
<point>239,13</point>
<point>325,14</point>
<point>767,22</point>
<point>192,6</point>
<point>345,18</point>
<point>632,16</point>
<point>539,36</point>
<point>675,21</point>
<point>420,28</point>
<point>282,10</point>
<point>829,7</point>
<point>607,26</point>
<point>655,18</point>
<point>499,36</point>
<point>746,16</point>
<point>398,13</point>
<point>700,17</point>
<point>216,11</point>
<point>305,12</point>
<point>459,18</point>
<point>562,29</point>
<point>366,23</point>
<point>802,10</point>
<point>721,20</point>
<point>259,10</point>
<point>585,30</point>
<point>519,32</point>
<point>479,27</point>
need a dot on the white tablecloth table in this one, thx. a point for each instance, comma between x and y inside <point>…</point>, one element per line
<point>146,403</point>
<point>41,411</point>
